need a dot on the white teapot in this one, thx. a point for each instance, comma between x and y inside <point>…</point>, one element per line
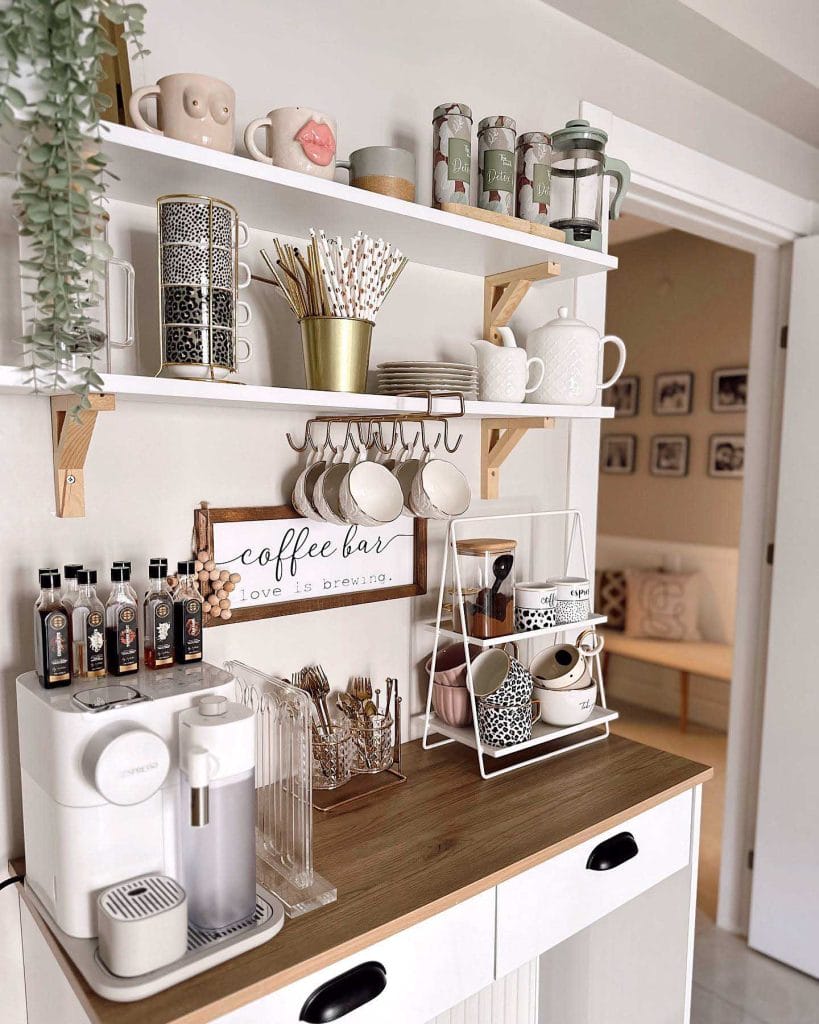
<point>571,352</point>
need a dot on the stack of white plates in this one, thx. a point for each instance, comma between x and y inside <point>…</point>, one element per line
<point>400,377</point>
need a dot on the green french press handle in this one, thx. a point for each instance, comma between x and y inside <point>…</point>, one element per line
<point>621,173</point>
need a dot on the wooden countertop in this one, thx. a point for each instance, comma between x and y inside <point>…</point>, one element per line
<point>442,837</point>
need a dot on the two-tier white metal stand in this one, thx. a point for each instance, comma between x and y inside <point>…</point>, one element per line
<point>542,733</point>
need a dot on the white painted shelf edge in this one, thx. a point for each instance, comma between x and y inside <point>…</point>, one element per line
<point>541,732</point>
<point>180,392</point>
<point>531,634</point>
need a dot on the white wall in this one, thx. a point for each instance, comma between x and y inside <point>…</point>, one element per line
<point>381,69</point>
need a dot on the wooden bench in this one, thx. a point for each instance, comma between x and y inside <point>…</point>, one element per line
<point>699,658</point>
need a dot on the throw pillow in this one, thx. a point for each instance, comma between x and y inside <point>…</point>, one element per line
<point>662,605</point>
<point>611,597</point>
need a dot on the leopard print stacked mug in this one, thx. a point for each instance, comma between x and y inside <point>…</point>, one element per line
<point>199,280</point>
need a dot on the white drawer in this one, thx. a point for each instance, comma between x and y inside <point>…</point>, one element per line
<point>429,967</point>
<point>545,905</point>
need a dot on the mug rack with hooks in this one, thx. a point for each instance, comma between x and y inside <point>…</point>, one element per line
<point>375,424</point>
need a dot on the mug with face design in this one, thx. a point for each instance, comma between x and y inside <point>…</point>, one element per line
<point>297,138</point>
<point>191,108</point>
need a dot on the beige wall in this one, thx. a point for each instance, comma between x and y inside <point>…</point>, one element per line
<point>679,303</point>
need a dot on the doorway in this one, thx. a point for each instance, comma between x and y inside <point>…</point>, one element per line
<point>670,497</point>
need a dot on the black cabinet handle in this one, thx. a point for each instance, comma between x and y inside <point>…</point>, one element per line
<point>340,996</point>
<point>611,853</point>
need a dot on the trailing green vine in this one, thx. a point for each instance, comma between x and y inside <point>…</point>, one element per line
<point>50,68</point>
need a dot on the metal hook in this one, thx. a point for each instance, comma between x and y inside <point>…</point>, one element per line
<point>379,439</point>
<point>369,442</point>
<point>349,439</point>
<point>328,440</point>
<point>457,444</point>
<point>308,439</point>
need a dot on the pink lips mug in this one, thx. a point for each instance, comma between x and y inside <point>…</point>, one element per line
<point>297,138</point>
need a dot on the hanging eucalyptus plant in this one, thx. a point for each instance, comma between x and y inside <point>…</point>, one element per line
<point>51,55</point>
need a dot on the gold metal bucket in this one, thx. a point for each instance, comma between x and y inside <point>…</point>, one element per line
<point>336,352</point>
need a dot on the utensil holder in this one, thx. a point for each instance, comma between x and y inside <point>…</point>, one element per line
<point>336,352</point>
<point>332,757</point>
<point>372,745</point>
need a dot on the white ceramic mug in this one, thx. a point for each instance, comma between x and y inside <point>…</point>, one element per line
<point>370,495</point>
<point>327,491</point>
<point>297,138</point>
<point>302,497</point>
<point>439,490</point>
<point>573,599</point>
<point>535,595</point>
<point>566,707</point>
<point>191,108</point>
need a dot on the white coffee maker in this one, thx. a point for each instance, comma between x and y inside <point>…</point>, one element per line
<point>106,800</point>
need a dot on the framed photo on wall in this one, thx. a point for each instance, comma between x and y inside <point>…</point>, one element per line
<point>617,453</point>
<point>673,394</point>
<point>624,397</point>
<point>726,455</point>
<point>669,455</point>
<point>729,390</point>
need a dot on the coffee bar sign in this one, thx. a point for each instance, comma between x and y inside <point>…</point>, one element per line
<point>288,564</point>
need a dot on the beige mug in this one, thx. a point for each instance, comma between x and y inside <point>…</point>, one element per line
<point>298,139</point>
<point>384,169</point>
<point>191,108</point>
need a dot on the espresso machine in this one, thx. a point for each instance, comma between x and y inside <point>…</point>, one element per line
<point>139,820</point>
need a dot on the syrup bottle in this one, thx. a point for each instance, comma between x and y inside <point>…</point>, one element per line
<point>129,588</point>
<point>121,624</point>
<point>70,591</point>
<point>52,634</point>
<point>187,615</point>
<point>87,629</point>
<point>158,617</point>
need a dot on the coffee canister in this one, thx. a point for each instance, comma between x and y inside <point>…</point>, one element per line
<point>496,164</point>
<point>533,177</point>
<point>451,154</point>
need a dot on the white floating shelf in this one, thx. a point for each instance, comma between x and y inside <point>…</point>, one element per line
<point>289,203</point>
<point>541,732</point>
<point>530,634</point>
<point>254,396</point>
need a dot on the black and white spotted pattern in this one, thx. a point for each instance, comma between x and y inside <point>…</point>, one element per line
<point>534,618</point>
<point>186,345</point>
<point>572,611</point>
<point>190,264</point>
<point>222,349</point>
<point>515,688</point>
<point>186,304</point>
<point>187,221</point>
<point>504,726</point>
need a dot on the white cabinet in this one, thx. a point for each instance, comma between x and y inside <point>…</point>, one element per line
<point>429,967</point>
<point>541,907</point>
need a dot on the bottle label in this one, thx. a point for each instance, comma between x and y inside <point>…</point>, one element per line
<point>163,632</point>
<point>189,626</point>
<point>94,642</point>
<point>542,184</point>
<point>57,660</point>
<point>459,154</point>
<point>127,651</point>
<point>498,171</point>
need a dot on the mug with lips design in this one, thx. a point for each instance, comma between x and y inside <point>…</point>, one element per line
<point>298,139</point>
<point>191,108</point>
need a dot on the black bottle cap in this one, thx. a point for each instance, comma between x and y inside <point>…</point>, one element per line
<point>187,568</point>
<point>122,565</point>
<point>51,568</point>
<point>86,576</point>
<point>120,574</point>
<point>70,571</point>
<point>157,570</point>
<point>158,561</point>
<point>50,579</point>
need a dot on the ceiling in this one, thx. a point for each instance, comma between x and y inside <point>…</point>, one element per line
<point>762,56</point>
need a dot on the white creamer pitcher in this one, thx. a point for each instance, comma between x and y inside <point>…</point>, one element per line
<point>503,370</point>
<point>572,352</point>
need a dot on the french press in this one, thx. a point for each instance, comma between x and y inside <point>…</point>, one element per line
<point>579,167</point>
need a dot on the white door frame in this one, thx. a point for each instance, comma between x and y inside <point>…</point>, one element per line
<point>684,189</point>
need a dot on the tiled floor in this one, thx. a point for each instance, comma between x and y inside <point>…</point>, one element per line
<point>732,983</point>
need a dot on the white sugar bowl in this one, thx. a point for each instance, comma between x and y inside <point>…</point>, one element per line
<point>572,352</point>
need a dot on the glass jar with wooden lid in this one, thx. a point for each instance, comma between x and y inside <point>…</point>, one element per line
<point>487,570</point>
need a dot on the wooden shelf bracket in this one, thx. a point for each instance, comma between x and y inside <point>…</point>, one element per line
<point>70,438</point>
<point>502,294</point>
<point>499,437</point>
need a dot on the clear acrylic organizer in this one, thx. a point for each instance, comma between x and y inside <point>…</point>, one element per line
<point>284,785</point>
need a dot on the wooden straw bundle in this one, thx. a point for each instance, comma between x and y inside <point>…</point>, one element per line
<point>334,279</point>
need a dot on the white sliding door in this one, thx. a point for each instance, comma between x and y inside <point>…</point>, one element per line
<point>785,889</point>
